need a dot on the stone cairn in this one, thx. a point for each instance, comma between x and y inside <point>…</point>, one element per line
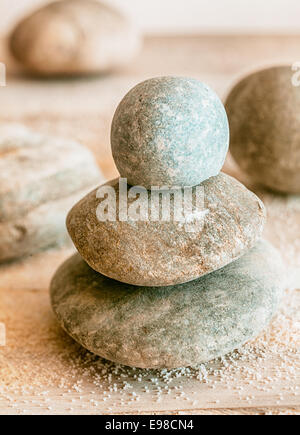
<point>153,289</point>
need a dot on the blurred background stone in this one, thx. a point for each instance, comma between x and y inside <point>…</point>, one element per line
<point>169,327</point>
<point>41,177</point>
<point>263,111</point>
<point>74,37</point>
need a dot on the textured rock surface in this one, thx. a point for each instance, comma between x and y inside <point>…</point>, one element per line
<point>41,177</point>
<point>164,253</point>
<point>74,37</point>
<point>169,131</point>
<point>173,326</point>
<point>263,111</point>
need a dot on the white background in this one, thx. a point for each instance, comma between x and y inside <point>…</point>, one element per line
<point>190,16</point>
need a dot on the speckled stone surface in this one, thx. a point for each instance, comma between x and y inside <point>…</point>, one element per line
<point>41,177</point>
<point>74,37</point>
<point>175,326</point>
<point>161,253</point>
<point>169,131</point>
<point>263,111</point>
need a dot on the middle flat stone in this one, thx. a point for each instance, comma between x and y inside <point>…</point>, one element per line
<point>142,240</point>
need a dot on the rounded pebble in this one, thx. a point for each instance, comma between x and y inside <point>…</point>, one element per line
<point>74,37</point>
<point>41,177</point>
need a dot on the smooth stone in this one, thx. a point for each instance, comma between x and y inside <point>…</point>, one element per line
<point>41,177</point>
<point>40,229</point>
<point>263,111</point>
<point>160,253</point>
<point>74,37</point>
<point>169,327</point>
<point>169,131</point>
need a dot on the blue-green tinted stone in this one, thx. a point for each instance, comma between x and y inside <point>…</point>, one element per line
<point>174,326</point>
<point>170,131</point>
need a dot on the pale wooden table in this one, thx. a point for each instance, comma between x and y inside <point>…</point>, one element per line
<point>41,369</point>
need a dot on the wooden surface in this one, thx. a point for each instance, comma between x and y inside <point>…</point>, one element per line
<point>44,371</point>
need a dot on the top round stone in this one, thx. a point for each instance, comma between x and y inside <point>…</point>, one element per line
<point>170,131</point>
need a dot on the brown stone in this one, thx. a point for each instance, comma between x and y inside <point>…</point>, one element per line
<point>74,37</point>
<point>145,252</point>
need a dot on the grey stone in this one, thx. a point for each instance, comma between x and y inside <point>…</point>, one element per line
<point>263,111</point>
<point>169,327</point>
<point>170,131</point>
<point>160,253</point>
<point>41,228</point>
<point>72,37</point>
<point>41,177</point>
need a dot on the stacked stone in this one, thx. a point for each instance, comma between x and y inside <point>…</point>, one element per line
<point>168,293</point>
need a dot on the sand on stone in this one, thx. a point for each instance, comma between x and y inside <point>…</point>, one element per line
<point>74,37</point>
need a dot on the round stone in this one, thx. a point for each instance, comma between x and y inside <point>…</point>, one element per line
<point>74,37</point>
<point>169,131</point>
<point>142,249</point>
<point>263,111</point>
<point>169,327</point>
<point>41,177</point>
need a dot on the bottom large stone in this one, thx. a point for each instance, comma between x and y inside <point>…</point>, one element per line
<point>168,327</point>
